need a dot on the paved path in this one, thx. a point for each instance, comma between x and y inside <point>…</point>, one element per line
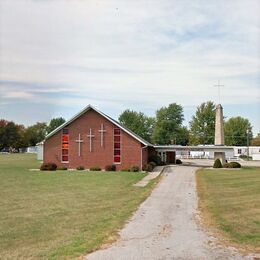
<point>164,226</point>
<point>150,176</point>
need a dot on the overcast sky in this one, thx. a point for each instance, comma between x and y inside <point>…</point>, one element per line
<point>56,57</point>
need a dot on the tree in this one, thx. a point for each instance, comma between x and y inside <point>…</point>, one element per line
<point>237,130</point>
<point>10,134</point>
<point>183,136</point>
<point>54,123</point>
<point>168,125</point>
<point>35,133</point>
<point>138,122</point>
<point>202,125</point>
<point>256,141</point>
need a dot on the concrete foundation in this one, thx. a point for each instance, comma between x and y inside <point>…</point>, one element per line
<point>221,156</point>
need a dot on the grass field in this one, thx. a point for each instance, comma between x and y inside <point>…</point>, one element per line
<point>230,200</point>
<point>61,214</point>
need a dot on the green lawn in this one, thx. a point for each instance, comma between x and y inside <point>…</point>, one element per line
<point>61,214</point>
<point>230,200</point>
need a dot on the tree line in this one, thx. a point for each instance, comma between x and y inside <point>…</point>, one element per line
<point>166,127</point>
<point>18,136</point>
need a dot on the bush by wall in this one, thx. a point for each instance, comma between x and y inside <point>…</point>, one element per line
<point>156,159</point>
<point>48,167</point>
<point>95,168</point>
<point>148,167</point>
<point>217,164</point>
<point>110,168</point>
<point>178,161</point>
<point>245,157</point>
<point>232,165</point>
<point>80,168</point>
<point>134,169</point>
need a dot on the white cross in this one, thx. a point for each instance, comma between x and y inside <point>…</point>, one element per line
<point>90,136</point>
<point>79,141</point>
<point>102,131</point>
<point>218,85</point>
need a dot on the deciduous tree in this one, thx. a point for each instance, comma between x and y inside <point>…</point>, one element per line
<point>237,130</point>
<point>35,133</point>
<point>10,134</point>
<point>202,125</point>
<point>168,125</point>
<point>54,123</point>
<point>138,122</point>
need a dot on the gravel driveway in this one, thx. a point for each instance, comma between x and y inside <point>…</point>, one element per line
<point>165,226</point>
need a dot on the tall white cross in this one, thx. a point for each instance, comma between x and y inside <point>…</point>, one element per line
<point>79,141</point>
<point>90,136</point>
<point>102,131</point>
<point>219,86</point>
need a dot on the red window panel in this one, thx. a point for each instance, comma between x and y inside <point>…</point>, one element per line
<point>65,158</point>
<point>117,131</point>
<point>117,139</point>
<point>65,146</point>
<point>65,138</point>
<point>65,131</point>
<point>117,158</point>
<point>117,145</point>
<point>65,151</point>
<point>117,152</point>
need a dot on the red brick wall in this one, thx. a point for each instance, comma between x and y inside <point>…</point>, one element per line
<point>100,156</point>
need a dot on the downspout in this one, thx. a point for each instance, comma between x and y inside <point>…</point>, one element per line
<point>142,156</point>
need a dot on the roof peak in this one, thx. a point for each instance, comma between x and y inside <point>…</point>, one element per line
<point>113,121</point>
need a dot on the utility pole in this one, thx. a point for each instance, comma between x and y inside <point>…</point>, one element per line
<point>247,131</point>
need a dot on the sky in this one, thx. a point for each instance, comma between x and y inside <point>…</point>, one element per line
<point>58,56</point>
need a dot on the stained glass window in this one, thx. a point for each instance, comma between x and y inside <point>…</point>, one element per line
<point>117,145</point>
<point>65,145</point>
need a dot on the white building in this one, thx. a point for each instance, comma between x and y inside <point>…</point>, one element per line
<point>40,151</point>
<point>253,151</point>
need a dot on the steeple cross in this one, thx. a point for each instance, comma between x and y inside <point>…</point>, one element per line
<point>102,131</point>
<point>79,141</point>
<point>90,136</point>
<point>218,86</point>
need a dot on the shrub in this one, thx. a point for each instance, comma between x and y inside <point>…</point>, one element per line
<point>95,168</point>
<point>48,167</point>
<point>156,159</point>
<point>62,168</point>
<point>125,170</point>
<point>245,157</point>
<point>80,168</point>
<point>149,167</point>
<point>234,165</point>
<point>110,168</point>
<point>153,164</point>
<point>178,161</point>
<point>134,169</point>
<point>217,164</point>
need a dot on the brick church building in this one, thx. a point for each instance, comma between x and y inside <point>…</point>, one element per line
<point>92,138</point>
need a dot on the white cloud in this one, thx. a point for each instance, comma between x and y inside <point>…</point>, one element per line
<point>118,53</point>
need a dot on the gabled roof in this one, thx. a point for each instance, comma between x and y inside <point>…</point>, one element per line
<point>131,133</point>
